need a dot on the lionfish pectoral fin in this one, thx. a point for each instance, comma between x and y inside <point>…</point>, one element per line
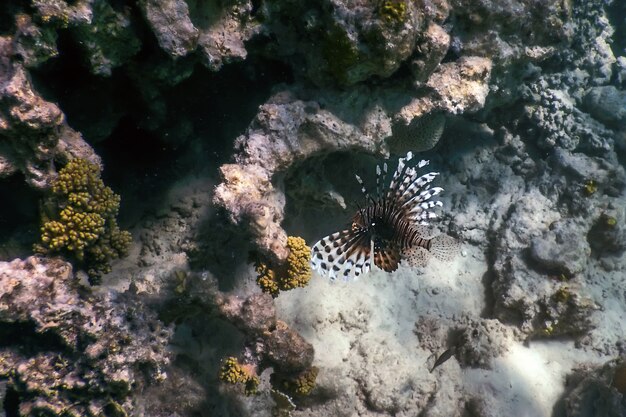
<point>344,254</point>
<point>444,247</point>
<point>387,259</point>
<point>416,256</point>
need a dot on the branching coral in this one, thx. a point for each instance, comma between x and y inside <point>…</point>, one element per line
<point>234,372</point>
<point>296,271</point>
<point>79,219</point>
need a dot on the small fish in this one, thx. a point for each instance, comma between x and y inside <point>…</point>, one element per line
<point>388,229</point>
<point>443,358</point>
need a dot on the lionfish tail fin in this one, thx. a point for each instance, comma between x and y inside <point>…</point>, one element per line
<point>444,247</point>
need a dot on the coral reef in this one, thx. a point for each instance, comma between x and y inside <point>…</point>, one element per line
<point>519,104</point>
<point>288,130</point>
<point>300,384</point>
<point>342,43</point>
<point>68,352</point>
<point>80,219</point>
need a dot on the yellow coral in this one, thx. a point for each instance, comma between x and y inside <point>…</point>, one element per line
<point>296,272</point>
<point>305,382</point>
<point>82,221</point>
<point>233,372</point>
<point>393,11</point>
<point>300,384</point>
<point>267,279</point>
<point>298,264</point>
<point>590,187</point>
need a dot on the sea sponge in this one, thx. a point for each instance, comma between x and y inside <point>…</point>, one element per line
<point>295,272</point>
<point>234,373</point>
<point>79,219</point>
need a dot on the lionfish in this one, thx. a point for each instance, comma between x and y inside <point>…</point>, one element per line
<point>388,229</point>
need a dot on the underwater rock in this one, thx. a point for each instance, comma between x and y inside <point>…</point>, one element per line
<point>431,49</point>
<point>171,25</point>
<point>478,343</point>
<point>34,44</point>
<point>104,33</point>
<point>111,345</point>
<point>594,391</point>
<point>108,38</point>
<point>254,315</point>
<point>607,236</point>
<point>223,32</point>
<point>562,249</point>
<point>256,318</point>
<point>338,42</point>
<point>505,30</point>
<point>35,130</point>
<point>216,30</point>
<point>607,104</point>
<point>287,350</point>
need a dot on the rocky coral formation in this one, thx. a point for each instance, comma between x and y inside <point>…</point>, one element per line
<point>275,343</point>
<point>216,30</point>
<point>288,130</point>
<point>80,353</point>
<point>477,344</point>
<point>33,131</point>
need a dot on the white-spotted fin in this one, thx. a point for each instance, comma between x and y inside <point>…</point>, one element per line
<point>345,255</point>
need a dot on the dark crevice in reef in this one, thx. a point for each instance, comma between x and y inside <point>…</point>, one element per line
<point>11,404</point>
<point>90,103</point>
<point>23,337</point>
<point>150,133</point>
<point>8,10</point>
<point>19,217</point>
<point>617,16</point>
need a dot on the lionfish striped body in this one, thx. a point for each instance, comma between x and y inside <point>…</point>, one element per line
<point>387,229</point>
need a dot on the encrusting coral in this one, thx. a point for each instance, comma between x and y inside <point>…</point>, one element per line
<point>79,219</point>
<point>295,272</point>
